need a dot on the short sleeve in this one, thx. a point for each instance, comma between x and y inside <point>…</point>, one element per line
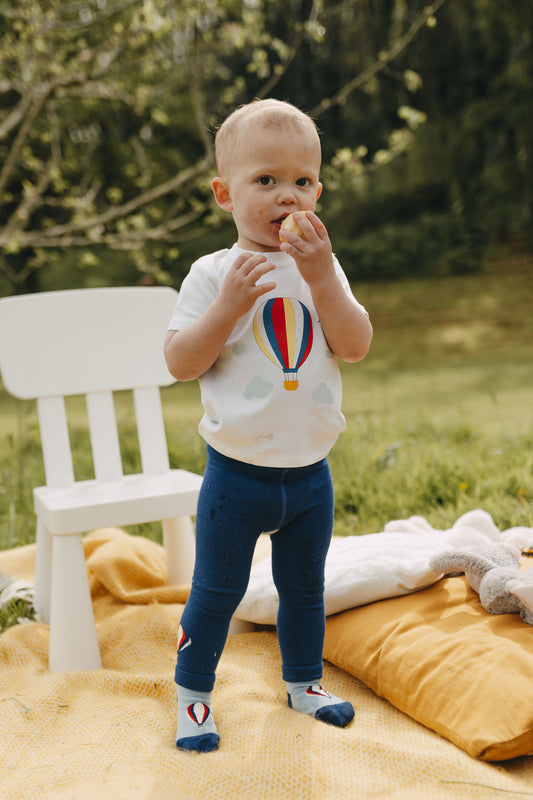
<point>197,292</point>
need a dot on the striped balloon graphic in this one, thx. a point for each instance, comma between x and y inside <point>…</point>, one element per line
<point>198,713</point>
<point>284,332</point>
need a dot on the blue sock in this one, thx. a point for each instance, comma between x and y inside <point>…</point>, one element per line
<point>313,699</point>
<point>196,727</point>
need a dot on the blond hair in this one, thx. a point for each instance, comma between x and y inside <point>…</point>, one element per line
<point>275,114</point>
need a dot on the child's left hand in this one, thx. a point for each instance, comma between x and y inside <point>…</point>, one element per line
<point>312,251</point>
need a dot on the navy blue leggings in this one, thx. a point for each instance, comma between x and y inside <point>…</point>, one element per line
<point>237,503</point>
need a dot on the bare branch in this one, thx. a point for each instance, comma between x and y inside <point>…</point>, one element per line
<point>33,109</point>
<point>122,211</point>
<point>31,199</point>
<point>72,233</point>
<point>15,116</point>
<point>125,240</point>
<point>374,69</point>
<point>278,74</point>
<point>34,105</point>
<point>82,197</point>
<point>14,276</point>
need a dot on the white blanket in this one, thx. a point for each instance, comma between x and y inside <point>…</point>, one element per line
<point>363,569</point>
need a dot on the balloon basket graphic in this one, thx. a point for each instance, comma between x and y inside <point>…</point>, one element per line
<point>290,383</point>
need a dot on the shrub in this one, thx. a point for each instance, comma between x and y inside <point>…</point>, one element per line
<point>433,244</point>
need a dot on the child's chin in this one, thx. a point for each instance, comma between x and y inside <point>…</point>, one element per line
<point>268,242</point>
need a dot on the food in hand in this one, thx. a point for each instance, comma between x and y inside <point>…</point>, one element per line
<point>290,224</point>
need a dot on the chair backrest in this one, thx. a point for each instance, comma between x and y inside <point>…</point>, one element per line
<point>91,342</point>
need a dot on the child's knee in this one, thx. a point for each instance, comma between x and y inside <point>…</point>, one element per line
<point>218,601</point>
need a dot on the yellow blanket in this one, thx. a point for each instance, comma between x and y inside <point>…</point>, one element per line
<point>109,734</point>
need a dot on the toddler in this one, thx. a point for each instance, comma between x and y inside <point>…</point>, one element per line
<point>260,325</point>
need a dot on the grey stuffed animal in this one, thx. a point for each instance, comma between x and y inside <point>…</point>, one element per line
<point>494,574</point>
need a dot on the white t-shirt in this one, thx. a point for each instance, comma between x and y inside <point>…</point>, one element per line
<point>273,397</point>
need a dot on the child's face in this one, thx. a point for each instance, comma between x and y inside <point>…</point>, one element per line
<point>274,173</point>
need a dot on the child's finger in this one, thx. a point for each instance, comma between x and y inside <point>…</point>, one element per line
<point>257,271</point>
<point>315,223</point>
<point>263,272</point>
<point>248,261</point>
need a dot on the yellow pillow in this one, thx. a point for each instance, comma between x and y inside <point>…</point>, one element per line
<point>438,656</point>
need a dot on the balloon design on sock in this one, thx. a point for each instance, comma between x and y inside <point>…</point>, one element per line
<point>316,689</point>
<point>198,712</point>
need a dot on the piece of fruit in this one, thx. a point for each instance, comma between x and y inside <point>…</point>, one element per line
<point>290,224</point>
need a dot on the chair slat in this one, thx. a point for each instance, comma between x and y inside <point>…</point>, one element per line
<point>104,436</point>
<point>55,442</point>
<point>151,430</point>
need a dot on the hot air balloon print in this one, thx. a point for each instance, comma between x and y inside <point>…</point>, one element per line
<point>317,689</point>
<point>284,331</point>
<point>198,713</point>
<point>183,640</point>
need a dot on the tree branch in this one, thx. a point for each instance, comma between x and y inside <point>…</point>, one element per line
<point>277,75</point>
<point>31,199</point>
<point>15,116</point>
<point>34,105</point>
<point>374,69</point>
<point>122,211</point>
<point>125,240</point>
<point>68,233</point>
<point>33,109</point>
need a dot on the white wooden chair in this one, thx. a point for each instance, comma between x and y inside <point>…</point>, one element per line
<point>93,342</point>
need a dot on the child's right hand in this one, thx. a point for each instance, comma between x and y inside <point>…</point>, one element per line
<point>191,351</point>
<point>241,288</point>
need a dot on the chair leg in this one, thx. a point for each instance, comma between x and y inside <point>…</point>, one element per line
<point>43,572</point>
<point>179,544</point>
<point>73,641</point>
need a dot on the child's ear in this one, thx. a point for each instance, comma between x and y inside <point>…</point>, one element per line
<point>319,190</point>
<point>222,195</point>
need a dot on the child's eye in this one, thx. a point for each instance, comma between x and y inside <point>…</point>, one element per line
<point>303,182</point>
<point>265,180</point>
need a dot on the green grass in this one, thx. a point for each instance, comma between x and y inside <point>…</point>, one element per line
<point>15,612</point>
<point>439,413</point>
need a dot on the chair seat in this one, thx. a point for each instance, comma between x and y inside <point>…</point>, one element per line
<point>133,499</point>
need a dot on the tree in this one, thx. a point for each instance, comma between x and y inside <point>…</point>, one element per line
<point>464,181</point>
<point>107,109</point>
<point>85,91</point>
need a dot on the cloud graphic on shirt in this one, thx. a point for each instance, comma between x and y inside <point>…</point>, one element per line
<point>238,349</point>
<point>323,395</point>
<point>258,388</point>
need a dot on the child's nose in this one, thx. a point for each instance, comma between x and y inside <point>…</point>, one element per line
<point>286,195</point>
